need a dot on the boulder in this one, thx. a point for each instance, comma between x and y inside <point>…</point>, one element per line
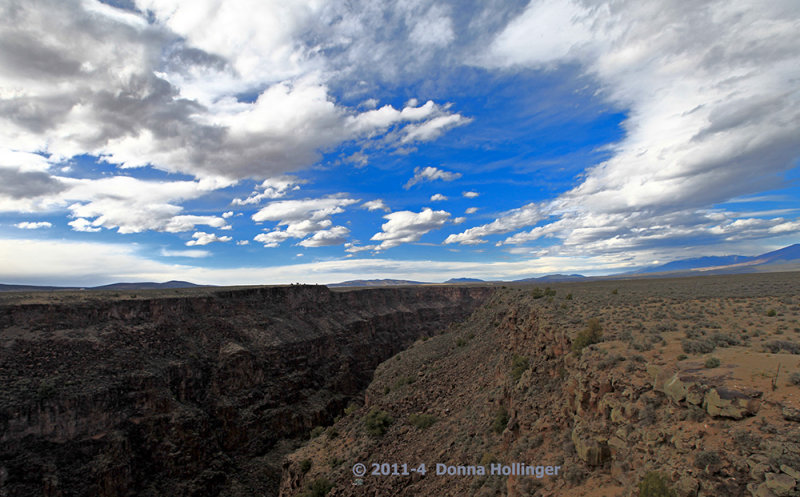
<point>790,471</point>
<point>790,413</point>
<point>592,450</point>
<point>729,403</point>
<point>781,484</point>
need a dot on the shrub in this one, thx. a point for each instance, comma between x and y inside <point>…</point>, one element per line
<point>682,357</point>
<point>724,340</point>
<point>615,291</point>
<point>500,420</point>
<point>461,342</point>
<point>305,465</point>
<point>771,312</point>
<point>569,296</point>
<point>701,346</point>
<point>655,484</point>
<point>593,333</point>
<point>518,366</point>
<point>317,431</point>
<point>377,422</point>
<point>776,346</point>
<point>422,421</point>
<point>319,488</point>
<point>332,433</point>
<point>350,409</point>
<point>712,362</point>
<point>794,378</point>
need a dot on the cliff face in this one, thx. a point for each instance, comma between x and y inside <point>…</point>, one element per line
<point>195,395</point>
<point>680,388</point>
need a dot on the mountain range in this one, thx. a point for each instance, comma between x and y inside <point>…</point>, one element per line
<point>785,259</point>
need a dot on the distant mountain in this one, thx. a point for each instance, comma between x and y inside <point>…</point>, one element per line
<point>383,282</point>
<point>786,254</point>
<point>145,285</point>
<point>696,263</point>
<point>464,280</point>
<point>729,264</point>
<point>553,278</point>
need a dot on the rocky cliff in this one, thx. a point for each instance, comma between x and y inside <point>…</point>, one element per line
<point>683,388</point>
<point>154,394</point>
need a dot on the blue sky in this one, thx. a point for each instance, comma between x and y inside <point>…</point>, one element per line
<point>237,143</point>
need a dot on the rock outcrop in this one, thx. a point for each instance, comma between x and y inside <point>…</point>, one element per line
<point>196,395</point>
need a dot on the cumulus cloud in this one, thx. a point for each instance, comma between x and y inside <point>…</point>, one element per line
<point>429,173</point>
<point>302,218</point>
<point>33,225</point>
<point>333,236</point>
<point>470,194</point>
<point>375,205</point>
<point>162,89</point>
<point>407,226</point>
<point>203,238</point>
<point>471,210</point>
<point>438,197</point>
<point>84,225</point>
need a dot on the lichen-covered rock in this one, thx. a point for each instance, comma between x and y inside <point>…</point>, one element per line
<point>729,403</point>
<point>781,484</point>
<point>592,450</point>
<point>790,471</point>
<point>790,413</point>
<point>687,487</point>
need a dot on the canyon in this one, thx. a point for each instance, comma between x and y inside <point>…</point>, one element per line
<point>191,392</point>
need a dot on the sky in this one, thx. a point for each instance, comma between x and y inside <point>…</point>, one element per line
<point>272,142</point>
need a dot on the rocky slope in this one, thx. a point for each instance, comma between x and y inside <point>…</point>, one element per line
<point>649,388</point>
<point>195,392</point>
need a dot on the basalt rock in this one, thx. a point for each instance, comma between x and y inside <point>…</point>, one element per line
<point>179,395</point>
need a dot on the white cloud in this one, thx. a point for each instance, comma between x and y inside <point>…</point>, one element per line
<point>243,242</point>
<point>84,225</point>
<point>286,211</point>
<point>430,173</point>
<point>162,89</point>
<point>406,226</point>
<point>374,205</point>
<point>459,220</point>
<point>194,254</point>
<point>33,225</point>
<point>702,105</point>
<point>438,197</point>
<point>226,215</point>
<point>272,239</point>
<point>271,188</point>
<point>517,218</point>
<point>433,128</point>
<point>333,236</point>
<point>303,218</point>
<point>470,194</point>
<point>471,210</point>
<point>203,238</point>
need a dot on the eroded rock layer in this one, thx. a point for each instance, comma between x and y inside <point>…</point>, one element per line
<point>175,395</point>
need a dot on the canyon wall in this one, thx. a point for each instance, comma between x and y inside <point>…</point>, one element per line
<point>192,395</point>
